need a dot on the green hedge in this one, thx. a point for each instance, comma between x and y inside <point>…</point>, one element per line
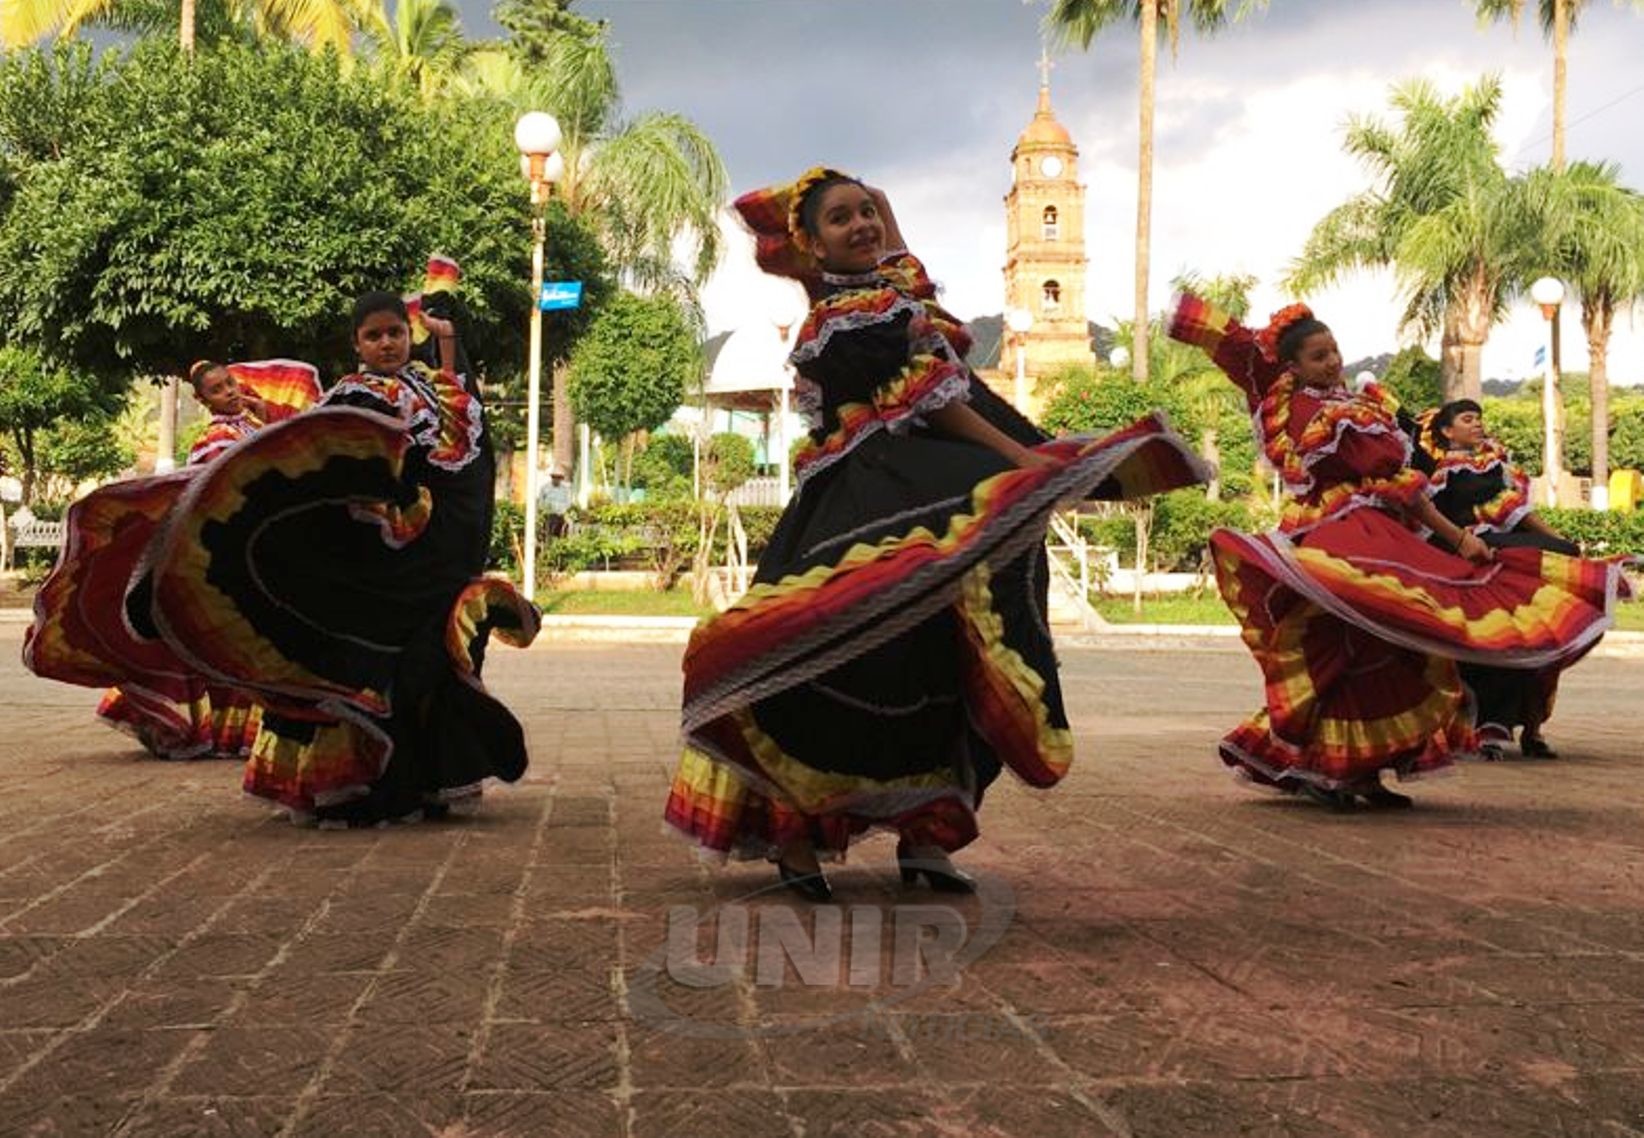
<point>654,537</point>
<point>1601,533</point>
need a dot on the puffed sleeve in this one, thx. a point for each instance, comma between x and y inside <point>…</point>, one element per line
<point>875,351</point>
<point>1230,345</point>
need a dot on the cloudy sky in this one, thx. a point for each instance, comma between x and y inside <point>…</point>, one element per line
<point>926,98</point>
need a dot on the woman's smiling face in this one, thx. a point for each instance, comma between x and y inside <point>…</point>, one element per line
<point>850,234</point>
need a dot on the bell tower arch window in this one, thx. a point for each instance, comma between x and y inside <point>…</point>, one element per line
<point>1051,296</point>
<point>1050,228</point>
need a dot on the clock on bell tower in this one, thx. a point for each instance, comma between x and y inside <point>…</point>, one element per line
<point>1045,246</point>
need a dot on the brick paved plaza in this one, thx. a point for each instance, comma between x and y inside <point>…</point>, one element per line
<point>1184,957</point>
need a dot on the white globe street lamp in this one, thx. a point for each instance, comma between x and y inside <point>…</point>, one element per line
<point>1119,358</point>
<point>785,310</point>
<point>1548,293</point>
<point>1020,323</point>
<point>537,136</point>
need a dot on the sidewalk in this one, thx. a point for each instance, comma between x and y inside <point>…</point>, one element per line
<point>1173,955</point>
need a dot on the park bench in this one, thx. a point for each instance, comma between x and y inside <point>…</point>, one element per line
<point>35,533</point>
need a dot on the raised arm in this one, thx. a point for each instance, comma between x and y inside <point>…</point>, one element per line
<point>1230,345</point>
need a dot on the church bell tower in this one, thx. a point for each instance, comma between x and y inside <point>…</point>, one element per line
<point>1045,247</point>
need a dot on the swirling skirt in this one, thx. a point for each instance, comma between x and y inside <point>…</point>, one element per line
<point>1359,627</point>
<point>892,656</point>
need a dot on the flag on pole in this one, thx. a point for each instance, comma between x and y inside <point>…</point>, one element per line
<point>1541,357</point>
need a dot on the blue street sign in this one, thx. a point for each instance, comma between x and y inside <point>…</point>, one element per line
<point>1541,356</point>
<point>557,295</point>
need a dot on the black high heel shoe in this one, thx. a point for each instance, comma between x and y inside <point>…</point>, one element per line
<point>1337,799</point>
<point>941,879</point>
<point>1381,798</point>
<point>1535,747</point>
<point>811,886</point>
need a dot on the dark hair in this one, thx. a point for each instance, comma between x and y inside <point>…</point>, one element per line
<point>1296,334</point>
<point>810,206</point>
<point>198,370</point>
<point>372,303</point>
<point>1447,415</point>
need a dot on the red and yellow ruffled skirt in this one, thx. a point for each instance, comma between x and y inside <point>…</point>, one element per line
<point>1358,627</point>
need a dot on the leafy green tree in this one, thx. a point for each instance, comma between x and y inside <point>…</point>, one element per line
<point>1081,21</point>
<point>630,372</point>
<point>1413,377</point>
<point>45,413</point>
<point>1443,215</point>
<point>665,468</point>
<point>235,207</point>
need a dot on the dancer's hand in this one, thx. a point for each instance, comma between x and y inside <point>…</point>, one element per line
<point>1034,460</point>
<point>1471,547</point>
<point>438,328</point>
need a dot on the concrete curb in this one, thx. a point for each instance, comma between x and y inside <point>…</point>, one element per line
<point>593,629</point>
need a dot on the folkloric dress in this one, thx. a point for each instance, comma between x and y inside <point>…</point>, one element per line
<point>174,712</point>
<point>892,654</point>
<point>1355,620</point>
<point>1482,490</point>
<point>334,564</point>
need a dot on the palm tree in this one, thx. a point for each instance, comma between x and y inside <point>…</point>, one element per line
<point>644,183</point>
<point>1443,214</point>
<point>423,43</point>
<point>1078,22</point>
<point>319,23</point>
<point>1592,231</point>
<point>1558,20</point>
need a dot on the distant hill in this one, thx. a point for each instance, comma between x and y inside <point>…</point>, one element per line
<point>988,332</point>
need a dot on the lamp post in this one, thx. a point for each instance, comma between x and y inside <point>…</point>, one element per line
<point>165,446</point>
<point>537,136</point>
<point>1548,292</point>
<point>1020,321</point>
<point>785,312</point>
<point>1119,358</point>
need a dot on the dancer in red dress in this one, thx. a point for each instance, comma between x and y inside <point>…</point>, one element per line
<point>1356,620</point>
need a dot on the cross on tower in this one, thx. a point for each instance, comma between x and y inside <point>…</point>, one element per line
<point>1045,64</point>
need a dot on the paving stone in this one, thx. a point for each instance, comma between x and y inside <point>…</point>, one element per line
<point>517,1114</point>
<point>1183,957</point>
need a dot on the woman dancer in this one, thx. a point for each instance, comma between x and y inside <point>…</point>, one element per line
<point>1355,620</point>
<point>333,565</point>
<point>1474,483</point>
<point>81,634</point>
<point>891,656</point>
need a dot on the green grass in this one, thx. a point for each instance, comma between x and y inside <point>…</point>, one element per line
<point>1630,616</point>
<point>620,602</point>
<point>1169,608</point>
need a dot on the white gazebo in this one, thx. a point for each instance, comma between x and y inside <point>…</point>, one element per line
<point>751,376</point>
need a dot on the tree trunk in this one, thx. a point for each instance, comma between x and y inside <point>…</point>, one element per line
<point>1597,317</point>
<point>1144,191</point>
<point>29,475</point>
<point>565,427</point>
<point>1467,321</point>
<point>1144,524</point>
<point>185,26</point>
<point>5,539</point>
<point>1211,453</point>
<point>1561,62</point>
